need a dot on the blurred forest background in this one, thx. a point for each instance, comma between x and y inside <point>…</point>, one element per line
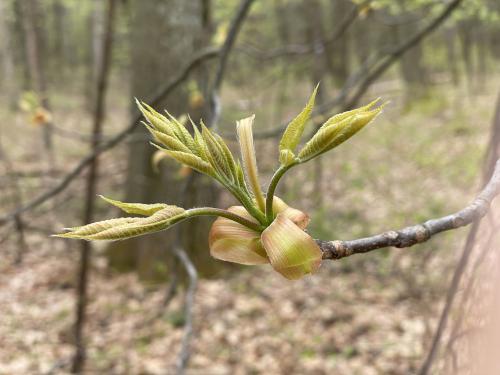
<point>69,131</point>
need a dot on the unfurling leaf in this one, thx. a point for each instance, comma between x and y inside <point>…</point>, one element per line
<point>247,148</point>
<point>291,251</point>
<point>293,132</point>
<point>218,155</point>
<point>136,208</point>
<point>127,227</point>
<point>338,129</point>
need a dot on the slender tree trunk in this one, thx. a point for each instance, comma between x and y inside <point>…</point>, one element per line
<point>337,54</point>
<point>8,78</point>
<point>32,16</point>
<point>466,43</point>
<point>91,184</point>
<point>451,54</point>
<point>58,38</point>
<point>411,63</point>
<point>165,35</point>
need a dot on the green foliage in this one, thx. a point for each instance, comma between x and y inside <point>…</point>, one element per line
<point>258,231</point>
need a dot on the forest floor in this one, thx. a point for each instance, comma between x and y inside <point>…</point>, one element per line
<point>371,314</point>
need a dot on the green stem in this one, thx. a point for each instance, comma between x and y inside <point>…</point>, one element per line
<point>272,188</point>
<point>209,211</point>
<point>248,204</point>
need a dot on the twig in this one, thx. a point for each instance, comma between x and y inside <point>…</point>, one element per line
<point>416,234</point>
<point>184,354</point>
<point>301,49</point>
<point>377,69</point>
<point>399,51</point>
<point>225,51</point>
<point>117,139</point>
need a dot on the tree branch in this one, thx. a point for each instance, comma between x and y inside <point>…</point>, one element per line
<point>374,71</point>
<point>419,233</point>
<point>225,51</point>
<point>117,139</point>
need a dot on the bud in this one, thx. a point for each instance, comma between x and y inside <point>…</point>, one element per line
<point>233,242</point>
<point>338,129</point>
<point>284,244</point>
<point>291,251</point>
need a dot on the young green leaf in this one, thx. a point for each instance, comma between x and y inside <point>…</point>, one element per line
<point>190,160</point>
<point>293,132</point>
<point>136,208</point>
<point>122,228</point>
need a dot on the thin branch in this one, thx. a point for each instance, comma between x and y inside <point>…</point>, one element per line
<point>301,49</point>
<point>399,51</point>
<point>375,70</point>
<point>185,353</point>
<point>117,139</point>
<point>416,234</point>
<point>225,51</point>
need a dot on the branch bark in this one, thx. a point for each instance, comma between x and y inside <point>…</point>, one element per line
<point>419,233</point>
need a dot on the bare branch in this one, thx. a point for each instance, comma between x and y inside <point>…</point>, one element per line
<point>117,139</point>
<point>374,71</point>
<point>416,234</point>
<point>185,353</point>
<point>225,51</point>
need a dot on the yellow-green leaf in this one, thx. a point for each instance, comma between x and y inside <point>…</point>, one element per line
<point>190,160</point>
<point>136,208</point>
<point>293,132</point>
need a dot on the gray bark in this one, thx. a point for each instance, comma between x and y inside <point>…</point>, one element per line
<point>165,35</point>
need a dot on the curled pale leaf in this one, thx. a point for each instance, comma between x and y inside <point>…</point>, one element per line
<point>247,148</point>
<point>291,251</point>
<point>299,218</point>
<point>136,208</point>
<point>233,242</point>
<point>293,132</point>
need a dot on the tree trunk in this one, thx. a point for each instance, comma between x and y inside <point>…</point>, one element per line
<point>165,35</point>
<point>8,78</point>
<point>32,16</point>
<point>451,54</point>
<point>411,63</point>
<point>337,54</point>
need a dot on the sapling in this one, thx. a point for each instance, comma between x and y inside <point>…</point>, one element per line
<point>264,229</point>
